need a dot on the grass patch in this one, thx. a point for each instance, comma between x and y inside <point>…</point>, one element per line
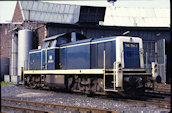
<point>5,83</point>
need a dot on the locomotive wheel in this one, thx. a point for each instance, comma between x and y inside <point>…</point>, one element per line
<point>85,85</point>
<point>27,81</point>
<point>31,81</point>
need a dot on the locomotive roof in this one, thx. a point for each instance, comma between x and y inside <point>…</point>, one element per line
<point>54,37</point>
<point>77,42</point>
<point>64,35</point>
<point>88,40</point>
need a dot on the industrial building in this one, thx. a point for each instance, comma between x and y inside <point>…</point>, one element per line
<point>48,19</point>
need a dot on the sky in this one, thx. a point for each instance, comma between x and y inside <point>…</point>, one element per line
<point>7,7</point>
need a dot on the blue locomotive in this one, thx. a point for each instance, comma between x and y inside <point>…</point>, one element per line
<point>73,62</point>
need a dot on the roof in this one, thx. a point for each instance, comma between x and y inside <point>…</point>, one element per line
<point>49,12</point>
<point>45,12</point>
<point>142,17</point>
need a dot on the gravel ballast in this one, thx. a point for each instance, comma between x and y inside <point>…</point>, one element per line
<point>15,92</point>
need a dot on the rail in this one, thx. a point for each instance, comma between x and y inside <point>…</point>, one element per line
<point>81,109</point>
<point>161,89</point>
<point>25,109</point>
<point>162,103</point>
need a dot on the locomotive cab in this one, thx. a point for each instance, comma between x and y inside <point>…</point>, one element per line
<point>129,73</point>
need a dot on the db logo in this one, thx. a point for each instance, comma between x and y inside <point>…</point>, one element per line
<point>50,59</point>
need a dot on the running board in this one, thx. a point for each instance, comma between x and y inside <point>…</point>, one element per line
<point>137,74</point>
<point>134,69</point>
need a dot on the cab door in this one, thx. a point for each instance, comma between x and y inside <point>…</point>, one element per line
<point>44,56</point>
<point>44,61</point>
<point>131,55</point>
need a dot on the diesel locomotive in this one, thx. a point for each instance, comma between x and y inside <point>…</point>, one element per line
<point>103,65</point>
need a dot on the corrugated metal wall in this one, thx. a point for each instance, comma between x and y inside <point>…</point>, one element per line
<point>149,36</point>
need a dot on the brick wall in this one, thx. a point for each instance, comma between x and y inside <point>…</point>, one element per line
<point>5,37</point>
<point>5,40</point>
<point>17,16</point>
<point>41,33</point>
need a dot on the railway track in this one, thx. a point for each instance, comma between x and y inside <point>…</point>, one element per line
<point>160,90</point>
<point>162,103</point>
<point>160,96</point>
<point>24,109</point>
<point>37,107</point>
<point>145,101</point>
<point>151,98</point>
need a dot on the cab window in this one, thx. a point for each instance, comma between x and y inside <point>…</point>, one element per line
<point>50,42</point>
<point>45,45</point>
<point>53,43</point>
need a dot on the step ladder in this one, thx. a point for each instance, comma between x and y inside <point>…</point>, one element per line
<point>109,80</point>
